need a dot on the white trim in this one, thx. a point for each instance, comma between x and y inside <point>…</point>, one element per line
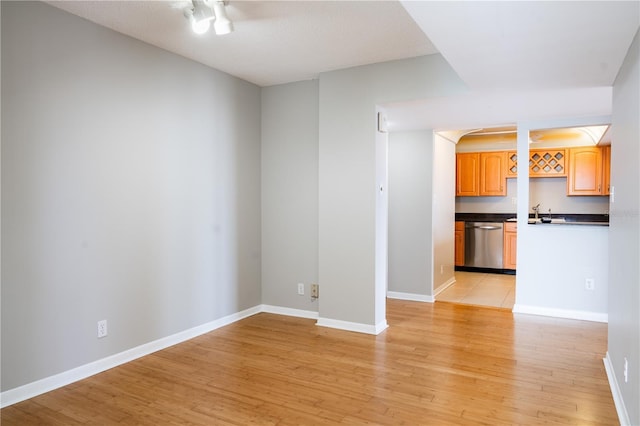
<point>381,326</point>
<point>409,296</point>
<point>50,383</point>
<point>290,312</point>
<point>618,401</point>
<point>30,390</point>
<point>560,313</point>
<point>451,281</point>
<point>353,326</point>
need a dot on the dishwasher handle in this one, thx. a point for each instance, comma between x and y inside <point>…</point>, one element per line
<point>487,227</point>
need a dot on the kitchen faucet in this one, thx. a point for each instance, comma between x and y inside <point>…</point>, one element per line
<point>535,209</point>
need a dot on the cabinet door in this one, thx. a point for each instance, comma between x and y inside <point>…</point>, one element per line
<point>585,171</point>
<point>492,173</point>
<point>459,244</point>
<point>606,169</point>
<point>467,173</point>
<point>509,246</point>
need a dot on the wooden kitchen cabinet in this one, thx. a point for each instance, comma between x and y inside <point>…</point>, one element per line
<point>512,164</point>
<point>492,173</point>
<point>467,174</point>
<point>509,245</point>
<point>542,163</point>
<point>459,244</point>
<point>481,174</point>
<point>547,163</point>
<point>606,169</point>
<point>585,171</point>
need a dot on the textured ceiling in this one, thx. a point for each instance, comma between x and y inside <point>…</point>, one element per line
<point>274,41</point>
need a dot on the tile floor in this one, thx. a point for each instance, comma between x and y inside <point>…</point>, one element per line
<point>476,288</point>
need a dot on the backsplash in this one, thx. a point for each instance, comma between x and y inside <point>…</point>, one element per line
<point>551,193</point>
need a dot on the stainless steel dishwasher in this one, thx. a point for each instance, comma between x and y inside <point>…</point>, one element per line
<point>483,244</point>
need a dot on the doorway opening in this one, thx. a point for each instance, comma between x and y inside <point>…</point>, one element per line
<point>481,289</point>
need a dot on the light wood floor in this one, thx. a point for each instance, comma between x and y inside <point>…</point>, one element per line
<point>436,364</point>
<point>477,288</point>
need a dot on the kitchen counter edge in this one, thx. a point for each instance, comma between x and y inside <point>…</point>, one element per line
<point>570,218</point>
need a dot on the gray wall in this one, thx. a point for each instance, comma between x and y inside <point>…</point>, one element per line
<point>130,192</point>
<point>410,194</point>
<point>289,193</point>
<point>347,174</point>
<point>624,247</point>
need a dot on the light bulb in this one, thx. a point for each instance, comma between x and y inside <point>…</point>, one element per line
<point>200,27</point>
<point>200,16</point>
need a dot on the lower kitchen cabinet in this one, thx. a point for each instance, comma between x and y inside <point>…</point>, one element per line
<point>459,244</point>
<point>509,245</point>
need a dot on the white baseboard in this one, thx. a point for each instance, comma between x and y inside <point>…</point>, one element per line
<point>290,312</point>
<point>409,296</point>
<point>30,390</point>
<point>623,416</point>
<point>560,313</point>
<point>353,326</point>
<point>50,383</point>
<point>451,281</point>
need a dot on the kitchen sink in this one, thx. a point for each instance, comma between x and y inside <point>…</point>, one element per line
<point>533,221</point>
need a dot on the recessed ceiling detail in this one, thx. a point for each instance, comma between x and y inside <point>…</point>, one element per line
<point>576,136</point>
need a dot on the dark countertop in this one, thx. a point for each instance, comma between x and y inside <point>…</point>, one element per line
<point>484,217</point>
<point>570,218</point>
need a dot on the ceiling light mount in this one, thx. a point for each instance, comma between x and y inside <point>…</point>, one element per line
<point>202,13</point>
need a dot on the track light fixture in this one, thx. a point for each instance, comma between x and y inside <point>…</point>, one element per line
<point>203,12</point>
<point>223,24</point>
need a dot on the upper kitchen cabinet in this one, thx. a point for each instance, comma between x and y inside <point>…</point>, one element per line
<point>492,173</point>
<point>467,174</point>
<point>547,163</point>
<point>481,174</point>
<point>542,163</point>
<point>580,156</point>
<point>606,169</point>
<point>585,171</point>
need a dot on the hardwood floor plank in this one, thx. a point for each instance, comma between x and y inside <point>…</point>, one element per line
<point>436,364</point>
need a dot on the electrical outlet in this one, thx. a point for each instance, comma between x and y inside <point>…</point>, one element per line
<point>626,370</point>
<point>314,291</point>
<point>102,329</point>
<point>514,201</point>
<point>589,284</point>
<point>301,289</point>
